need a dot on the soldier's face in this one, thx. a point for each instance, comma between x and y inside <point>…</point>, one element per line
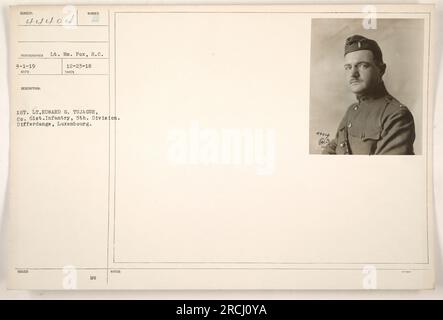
<point>362,73</point>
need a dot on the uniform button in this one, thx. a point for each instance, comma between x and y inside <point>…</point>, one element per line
<point>342,144</point>
<point>349,125</point>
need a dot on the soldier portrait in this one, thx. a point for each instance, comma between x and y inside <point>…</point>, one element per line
<point>371,120</point>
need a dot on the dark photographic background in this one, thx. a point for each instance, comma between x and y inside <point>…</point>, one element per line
<point>401,41</point>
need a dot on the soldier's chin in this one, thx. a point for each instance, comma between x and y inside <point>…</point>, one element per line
<point>357,88</point>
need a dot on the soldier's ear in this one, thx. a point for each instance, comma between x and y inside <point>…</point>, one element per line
<point>382,67</point>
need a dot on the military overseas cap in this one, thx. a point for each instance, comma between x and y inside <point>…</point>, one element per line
<point>357,42</point>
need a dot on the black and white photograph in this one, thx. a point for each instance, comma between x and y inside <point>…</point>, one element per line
<point>180,151</point>
<point>366,87</point>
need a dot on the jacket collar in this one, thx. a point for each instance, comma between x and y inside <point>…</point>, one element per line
<point>378,92</point>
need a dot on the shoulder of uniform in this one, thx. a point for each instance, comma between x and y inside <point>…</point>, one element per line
<point>395,109</point>
<point>394,106</point>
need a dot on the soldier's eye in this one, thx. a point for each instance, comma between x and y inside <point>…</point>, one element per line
<point>347,67</point>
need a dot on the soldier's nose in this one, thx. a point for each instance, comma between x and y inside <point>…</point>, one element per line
<point>355,73</point>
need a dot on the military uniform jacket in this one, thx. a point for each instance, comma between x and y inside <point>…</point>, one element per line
<point>376,124</point>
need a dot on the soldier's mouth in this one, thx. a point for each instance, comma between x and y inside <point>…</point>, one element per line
<point>354,82</point>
